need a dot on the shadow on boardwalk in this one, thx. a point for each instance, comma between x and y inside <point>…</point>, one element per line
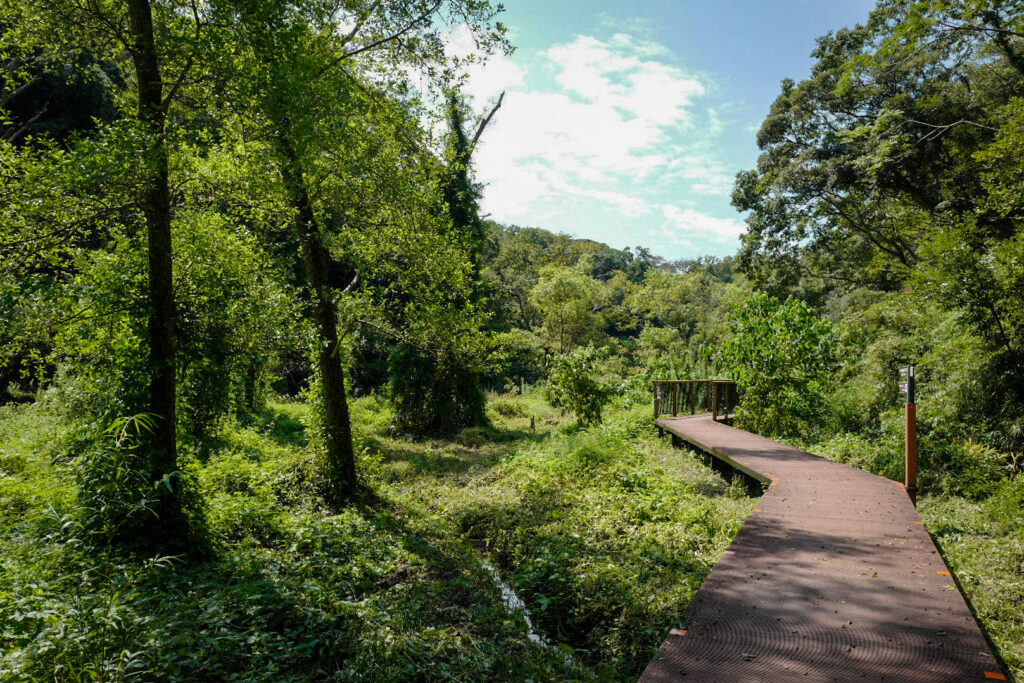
<point>833,578</point>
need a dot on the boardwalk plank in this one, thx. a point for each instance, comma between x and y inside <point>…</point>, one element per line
<point>833,578</point>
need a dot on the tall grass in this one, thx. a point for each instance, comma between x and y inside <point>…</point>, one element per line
<point>606,533</point>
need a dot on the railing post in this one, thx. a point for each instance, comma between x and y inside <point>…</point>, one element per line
<point>720,397</point>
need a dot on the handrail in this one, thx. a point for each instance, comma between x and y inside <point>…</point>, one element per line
<point>716,396</point>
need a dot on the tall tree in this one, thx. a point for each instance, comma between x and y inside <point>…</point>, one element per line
<point>152,42</point>
<point>156,207</point>
<point>895,164</point>
<point>309,84</point>
<point>461,194</point>
<point>440,390</point>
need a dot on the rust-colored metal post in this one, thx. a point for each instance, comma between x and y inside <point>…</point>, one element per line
<point>714,401</point>
<point>911,451</point>
<point>675,399</point>
<point>910,412</point>
<point>657,401</point>
<point>693,397</point>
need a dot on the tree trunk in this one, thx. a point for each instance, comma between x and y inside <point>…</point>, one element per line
<point>341,466</point>
<point>250,389</point>
<point>156,206</point>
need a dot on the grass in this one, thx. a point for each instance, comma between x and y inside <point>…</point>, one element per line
<point>606,533</point>
<point>983,544</point>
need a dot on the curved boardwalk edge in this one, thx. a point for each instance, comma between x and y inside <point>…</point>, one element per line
<point>832,578</point>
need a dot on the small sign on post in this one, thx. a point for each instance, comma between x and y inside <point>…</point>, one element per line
<point>907,389</point>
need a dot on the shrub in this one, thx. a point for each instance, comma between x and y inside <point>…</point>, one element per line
<point>970,470</point>
<point>572,387</point>
<point>781,355</point>
<point>474,437</point>
<point>508,407</point>
<point>885,459</point>
<point>119,503</point>
<point>431,397</point>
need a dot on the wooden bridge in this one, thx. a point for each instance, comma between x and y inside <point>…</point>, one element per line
<point>716,396</point>
<point>832,578</point>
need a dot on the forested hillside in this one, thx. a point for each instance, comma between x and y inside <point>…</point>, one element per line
<point>277,402</point>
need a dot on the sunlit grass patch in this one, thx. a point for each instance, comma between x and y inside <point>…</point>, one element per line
<point>607,533</point>
<point>983,543</point>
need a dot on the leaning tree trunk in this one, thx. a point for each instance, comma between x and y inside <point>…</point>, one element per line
<point>340,456</point>
<point>156,206</point>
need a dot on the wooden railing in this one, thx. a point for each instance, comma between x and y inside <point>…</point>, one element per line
<point>690,396</point>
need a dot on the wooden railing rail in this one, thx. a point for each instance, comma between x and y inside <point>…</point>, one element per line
<point>716,396</point>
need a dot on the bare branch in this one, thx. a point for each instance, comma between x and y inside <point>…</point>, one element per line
<point>25,126</point>
<point>982,29</point>
<point>483,124</point>
<point>9,95</point>
<point>352,285</point>
<point>393,334</point>
<point>940,129</point>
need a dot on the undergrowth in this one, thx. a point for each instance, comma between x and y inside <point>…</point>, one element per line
<point>606,533</point>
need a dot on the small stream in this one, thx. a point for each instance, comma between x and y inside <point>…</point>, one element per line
<point>514,604</point>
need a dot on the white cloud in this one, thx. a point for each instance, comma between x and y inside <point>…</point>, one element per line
<point>708,176</point>
<point>484,80</point>
<point>690,223</point>
<point>619,129</point>
<point>644,48</point>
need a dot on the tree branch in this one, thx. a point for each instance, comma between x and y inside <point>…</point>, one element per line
<point>982,29</point>
<point>940,129</point>
<point>7,96</point>
<point>359,23</point>
<point>392,334</point>
<point>413,144</point>
<point>169,97</point>
<point>382,41</point>
<point>483,124</point>
<point>25,126</point>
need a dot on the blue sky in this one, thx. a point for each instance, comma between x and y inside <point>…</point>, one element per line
<point>625,122</point>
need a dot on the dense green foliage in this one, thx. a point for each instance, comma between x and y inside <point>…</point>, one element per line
<point>433,396</point>
<point>391,589</point>
<point>573,387</point>
<point>782,357</point>
<point>894,168</point>
<point>887,198</point>
<point>250,310</point>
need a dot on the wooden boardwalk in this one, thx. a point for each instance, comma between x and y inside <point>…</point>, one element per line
<point>832,578</point>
